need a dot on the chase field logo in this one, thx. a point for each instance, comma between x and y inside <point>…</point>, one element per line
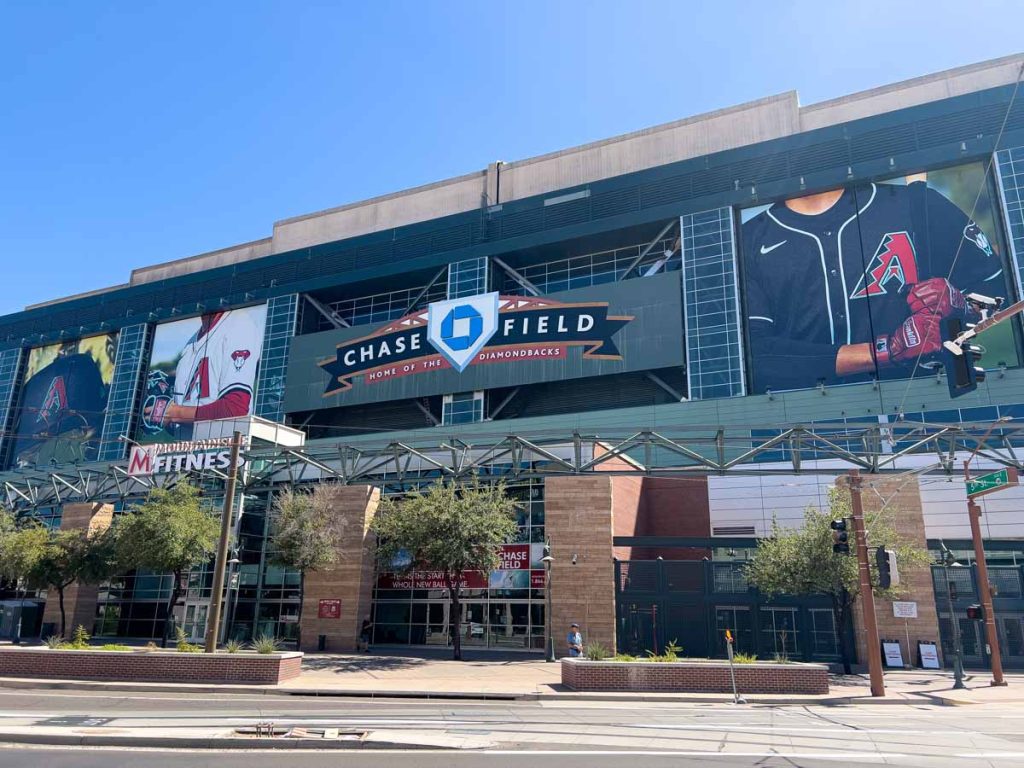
<point>487,328</point>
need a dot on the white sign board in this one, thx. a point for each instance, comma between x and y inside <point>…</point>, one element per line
<point>198,455</point>
<point>904,610</point>
<point>929,655</point>
<point>893,654</point>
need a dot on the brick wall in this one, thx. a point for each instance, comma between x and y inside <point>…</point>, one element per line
<point>578,520</point>
<point>79,599</point>
<point>153,666</point>
<point>350,580</point>
<point>694,677</point>
<point>903,497</point>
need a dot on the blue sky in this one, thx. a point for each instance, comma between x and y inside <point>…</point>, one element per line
<point>132,135</point>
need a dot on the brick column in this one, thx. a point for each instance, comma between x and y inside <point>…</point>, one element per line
<point>578,519</point>
<point>79,599</point>
<point>904,510</point>
<point>350,580</point>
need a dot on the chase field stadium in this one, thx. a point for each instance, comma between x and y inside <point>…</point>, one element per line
<point>662,342</point>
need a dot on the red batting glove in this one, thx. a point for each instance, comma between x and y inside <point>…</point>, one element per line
<point>938,297</point>
<point>917,336</point>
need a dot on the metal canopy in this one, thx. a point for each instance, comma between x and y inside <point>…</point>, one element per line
<point>674,451</point>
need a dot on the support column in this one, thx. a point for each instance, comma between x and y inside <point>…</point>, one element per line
<point>905,512</point>
<point>350,580</point>
<point>578,520</point>
<point>79,599</point>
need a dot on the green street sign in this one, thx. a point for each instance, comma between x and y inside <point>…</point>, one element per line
<point>993,481</point>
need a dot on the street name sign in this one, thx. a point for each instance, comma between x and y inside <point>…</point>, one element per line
<point>993,481</point>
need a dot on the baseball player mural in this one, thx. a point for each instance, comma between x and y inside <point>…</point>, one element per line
<point>201,369</point>
<point>852,283</point>
<point>63,400</point>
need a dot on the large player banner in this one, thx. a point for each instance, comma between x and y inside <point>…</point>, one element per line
<point>201,369</point>
<point>63,400</point>
<point>854,283</point>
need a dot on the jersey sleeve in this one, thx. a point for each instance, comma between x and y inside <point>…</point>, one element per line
<point>957,247</point>
<point>237,358</point>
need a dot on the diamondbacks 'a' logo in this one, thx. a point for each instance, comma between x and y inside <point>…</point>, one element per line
<point>894,262</point>
<point>199,385</point>
<point>239,356</point>
<point>56,400</point>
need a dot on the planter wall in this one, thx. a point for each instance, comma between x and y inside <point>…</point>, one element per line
<point>151,666</point>
<point>694,677</point>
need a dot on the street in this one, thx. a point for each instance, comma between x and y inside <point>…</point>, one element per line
<point>563,733</point>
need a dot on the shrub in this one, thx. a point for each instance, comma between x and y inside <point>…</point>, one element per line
<point>781,658</point>
<point>671,653</point>
<point>595,652</point>
<point>744,658</point>
<point>115,647</point>
<point>623,657</point>
<point>151,646</point>
<point>233,646</point>
<point>266,644</point>
<point>183,645</point>
<point>55,642</point>
<point>80,640</point>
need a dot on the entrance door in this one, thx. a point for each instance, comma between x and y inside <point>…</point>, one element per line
<point>473,627</point>
<point>195,621</point>
<point>509,624</point>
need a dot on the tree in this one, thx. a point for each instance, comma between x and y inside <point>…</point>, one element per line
<point>169,532</point>
<point>450,529</point>
<point>65,557</point>
<point>800,561</point>
<point>306,531</point>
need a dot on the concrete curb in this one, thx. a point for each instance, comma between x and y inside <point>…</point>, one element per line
<point>203,742</point>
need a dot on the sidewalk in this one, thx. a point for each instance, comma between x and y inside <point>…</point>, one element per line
<point>522,677</point>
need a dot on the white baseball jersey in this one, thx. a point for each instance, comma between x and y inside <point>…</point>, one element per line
<point>221,360</point>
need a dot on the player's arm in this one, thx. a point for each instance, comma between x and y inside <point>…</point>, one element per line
<point>229,405</point>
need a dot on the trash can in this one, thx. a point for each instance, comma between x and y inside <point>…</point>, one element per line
<point>321,642</point>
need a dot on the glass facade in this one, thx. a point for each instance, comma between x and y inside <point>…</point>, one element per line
<point>462,408</point>
<point>1010,174</point>
<point>714,351</point>
<point>10,367</point>
<point>381,307</point>
<point>282,315</point>
<point>505,609</point>
<point>129,362</point>
<point>468,278</point>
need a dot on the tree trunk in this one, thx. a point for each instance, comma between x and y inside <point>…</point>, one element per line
<point>454,594</point>
<point>63,618</point>
<point>175,596</point>
<point>841,612</point>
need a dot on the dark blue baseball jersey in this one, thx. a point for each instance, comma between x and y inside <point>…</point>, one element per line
<point>65,398</point>
<point>815,283</point>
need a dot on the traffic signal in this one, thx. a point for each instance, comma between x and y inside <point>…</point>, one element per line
<point>975,612</point>
<point>962,375</point>
<point>888,575</point>
<point>840,537</point>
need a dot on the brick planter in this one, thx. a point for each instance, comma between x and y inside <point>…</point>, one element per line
<point>694,677</point>
<point>151,666</point>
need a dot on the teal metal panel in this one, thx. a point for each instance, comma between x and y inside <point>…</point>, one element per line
<point>282,316</point>
<point>10,377</point>
<point>122,403</point>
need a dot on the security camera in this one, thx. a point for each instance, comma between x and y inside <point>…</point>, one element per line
<point>985,302</point>
<point>574,556</point>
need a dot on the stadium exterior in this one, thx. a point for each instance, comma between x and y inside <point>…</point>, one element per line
<point>608,329</point>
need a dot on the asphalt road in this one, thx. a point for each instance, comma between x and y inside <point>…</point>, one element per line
<point>532,734</point>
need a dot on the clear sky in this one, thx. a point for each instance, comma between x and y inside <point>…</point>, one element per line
<point>133,133</point>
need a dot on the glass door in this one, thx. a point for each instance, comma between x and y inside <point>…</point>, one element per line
<point>195,621</point>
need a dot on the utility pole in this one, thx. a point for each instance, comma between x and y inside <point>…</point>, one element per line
<point>867,596</point>
<point>984,590</point>
<point>217,594</point>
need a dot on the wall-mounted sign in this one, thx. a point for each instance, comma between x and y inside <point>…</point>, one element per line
<point>487,341</point>
<point>192,456</point>
<point>904,610</point>
<point>329,608</point>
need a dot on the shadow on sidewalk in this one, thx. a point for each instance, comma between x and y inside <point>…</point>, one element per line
<point>398,658</point>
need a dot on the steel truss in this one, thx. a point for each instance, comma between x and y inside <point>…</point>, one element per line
<point>873,447</point>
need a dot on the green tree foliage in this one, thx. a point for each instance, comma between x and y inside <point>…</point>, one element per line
<point>170,532</point>
<point>306,530</point>
<point>449,529</point>
<point>800,561</point>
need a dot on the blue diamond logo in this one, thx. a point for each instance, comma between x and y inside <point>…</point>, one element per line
<point>459,328</point>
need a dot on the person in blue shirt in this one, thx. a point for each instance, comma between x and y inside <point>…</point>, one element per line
<point>574,640</point>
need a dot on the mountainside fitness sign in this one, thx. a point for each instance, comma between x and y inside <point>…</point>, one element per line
<point>491,340</point>
<point>193,456</point>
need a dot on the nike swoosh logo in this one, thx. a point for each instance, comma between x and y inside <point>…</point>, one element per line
<point>771,248</point>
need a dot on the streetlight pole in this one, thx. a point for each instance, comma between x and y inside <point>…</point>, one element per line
<point>548,618</point>
<point>217,595</point>
<point>958,654</point>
